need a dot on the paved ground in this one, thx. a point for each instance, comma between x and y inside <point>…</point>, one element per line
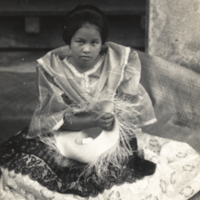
<point>19,61</point>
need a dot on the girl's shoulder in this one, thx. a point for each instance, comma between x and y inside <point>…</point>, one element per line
<point>120,48</point>
<point>121,51</point>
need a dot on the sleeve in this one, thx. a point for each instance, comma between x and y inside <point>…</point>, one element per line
<point>48,115</point>
<point>131,87</point>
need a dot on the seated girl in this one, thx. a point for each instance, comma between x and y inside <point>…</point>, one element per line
<point>77,83</point>
<point>82,138</point>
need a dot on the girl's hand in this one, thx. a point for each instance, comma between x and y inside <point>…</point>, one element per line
<point>105,121</point>
<point>100,116</point>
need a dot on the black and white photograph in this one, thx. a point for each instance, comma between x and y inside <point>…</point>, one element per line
<point>100,99</point>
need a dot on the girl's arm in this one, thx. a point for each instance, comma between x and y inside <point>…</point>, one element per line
<point>51,106</point>
<point>50,111</point>
<point>100,116</point>
<point>88,120</point>
<point>132,89</point>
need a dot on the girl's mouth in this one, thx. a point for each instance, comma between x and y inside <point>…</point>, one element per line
<point>85,57</point>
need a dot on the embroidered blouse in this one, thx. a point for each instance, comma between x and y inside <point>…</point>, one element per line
<point>89,79</point>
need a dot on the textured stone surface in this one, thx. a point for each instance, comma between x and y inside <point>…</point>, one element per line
<point>174,31</point>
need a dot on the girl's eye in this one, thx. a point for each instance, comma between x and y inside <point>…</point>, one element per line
<point>79,42</point>
<point>95,42</point>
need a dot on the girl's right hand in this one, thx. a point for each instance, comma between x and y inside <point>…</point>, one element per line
<point>105,121</point>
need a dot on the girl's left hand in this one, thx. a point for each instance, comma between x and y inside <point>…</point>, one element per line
<point>105,121</point>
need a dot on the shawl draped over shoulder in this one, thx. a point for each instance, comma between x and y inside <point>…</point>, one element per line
<point>120,76</point>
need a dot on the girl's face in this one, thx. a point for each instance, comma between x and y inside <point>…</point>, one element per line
<point>85,46</point>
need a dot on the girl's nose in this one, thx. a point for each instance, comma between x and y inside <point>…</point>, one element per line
<point>86,48</point>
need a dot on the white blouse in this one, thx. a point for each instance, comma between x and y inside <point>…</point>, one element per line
<point>89,79</point>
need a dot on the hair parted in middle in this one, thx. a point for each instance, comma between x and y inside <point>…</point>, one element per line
<point>82,14</point>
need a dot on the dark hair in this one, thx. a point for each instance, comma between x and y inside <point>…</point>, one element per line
<point>81,14</point>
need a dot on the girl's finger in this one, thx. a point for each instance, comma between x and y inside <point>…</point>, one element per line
<point>107,121</point>
<point>108,125</point>
<point>107,116</point>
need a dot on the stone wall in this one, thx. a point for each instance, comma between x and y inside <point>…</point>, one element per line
<point>174,31</point>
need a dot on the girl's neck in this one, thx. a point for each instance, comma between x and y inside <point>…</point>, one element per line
<point>82,68</point>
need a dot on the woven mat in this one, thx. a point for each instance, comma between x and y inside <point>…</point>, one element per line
<point>175,93</point>
<point>18,98</point>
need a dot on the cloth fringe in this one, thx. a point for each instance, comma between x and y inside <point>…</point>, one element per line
<point>125,112</point>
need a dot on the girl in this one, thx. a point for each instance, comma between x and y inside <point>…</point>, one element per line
<point>90,84</point>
